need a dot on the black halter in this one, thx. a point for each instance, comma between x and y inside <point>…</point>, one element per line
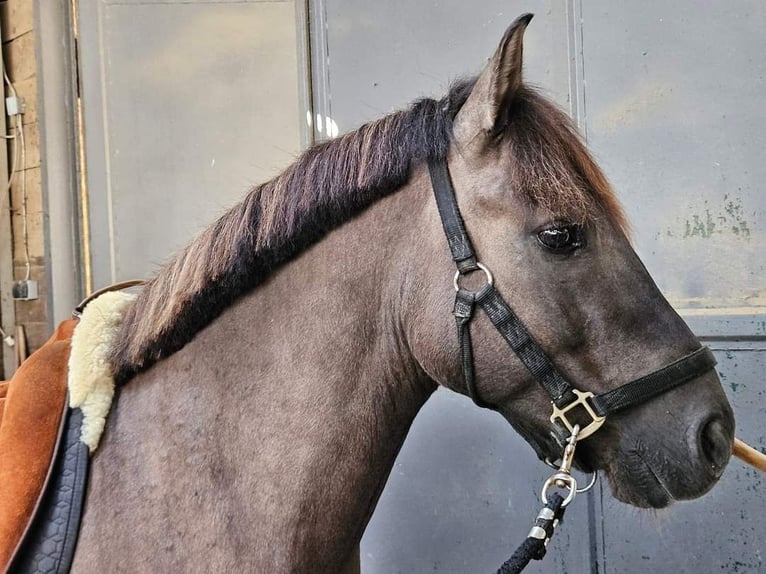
<point>564,396</point>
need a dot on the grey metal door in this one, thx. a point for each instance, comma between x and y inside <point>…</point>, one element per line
<point>667,95</point>
<point>187,103</point>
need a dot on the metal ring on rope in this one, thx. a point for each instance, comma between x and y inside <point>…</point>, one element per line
<point>591,483</point>
<point>560,480</point>
<point>487,273</point>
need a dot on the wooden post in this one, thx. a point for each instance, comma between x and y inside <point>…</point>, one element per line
<point>21,345</point>
<point>7,309</point>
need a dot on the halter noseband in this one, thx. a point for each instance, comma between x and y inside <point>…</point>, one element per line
<point>564,397</point>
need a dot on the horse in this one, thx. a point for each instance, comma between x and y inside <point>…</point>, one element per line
<point>269,373</point>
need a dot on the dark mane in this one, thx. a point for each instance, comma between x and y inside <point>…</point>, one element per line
<point>328,185</point>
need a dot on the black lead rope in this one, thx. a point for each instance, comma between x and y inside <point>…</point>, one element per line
<point>536,543</point>
<point>564,396</point>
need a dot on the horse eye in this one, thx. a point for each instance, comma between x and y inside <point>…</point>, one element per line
<point>562,237</point>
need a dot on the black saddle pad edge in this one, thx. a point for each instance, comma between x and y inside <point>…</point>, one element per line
<point>50,543</point>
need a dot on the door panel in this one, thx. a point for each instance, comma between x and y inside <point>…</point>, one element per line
<point>187,104</point>
<point>675,116</point>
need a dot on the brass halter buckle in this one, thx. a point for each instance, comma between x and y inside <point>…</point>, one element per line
<point>559,414</point>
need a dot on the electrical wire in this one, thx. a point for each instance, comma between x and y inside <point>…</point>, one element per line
<point>14,159</point>
<point>19,144</point>
<point>24,218</point>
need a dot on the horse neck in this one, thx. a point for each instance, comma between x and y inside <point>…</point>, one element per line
<point>322,372</point>
<point>290,409</point>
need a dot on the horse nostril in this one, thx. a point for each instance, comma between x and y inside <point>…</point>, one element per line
<point>715,444</point>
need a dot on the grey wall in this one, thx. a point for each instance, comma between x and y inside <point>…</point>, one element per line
<point>187,104</point>
<point>667,95</point>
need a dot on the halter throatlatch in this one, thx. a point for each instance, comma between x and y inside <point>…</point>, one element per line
<point>591,410</point>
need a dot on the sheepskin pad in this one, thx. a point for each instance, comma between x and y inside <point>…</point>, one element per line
<point>90,382</point>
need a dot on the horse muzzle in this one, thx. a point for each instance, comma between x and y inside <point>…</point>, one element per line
<point>651,470</point>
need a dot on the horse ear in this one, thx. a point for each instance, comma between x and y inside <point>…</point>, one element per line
<point>501,79</point>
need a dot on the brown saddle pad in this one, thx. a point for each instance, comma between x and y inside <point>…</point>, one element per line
<point>31,407</point>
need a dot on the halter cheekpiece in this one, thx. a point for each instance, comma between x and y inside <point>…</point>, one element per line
<point>565,398</point>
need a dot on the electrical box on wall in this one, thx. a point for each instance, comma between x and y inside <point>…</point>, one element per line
<point>25,290</point>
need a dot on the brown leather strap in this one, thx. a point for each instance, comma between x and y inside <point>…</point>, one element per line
<point>113,287</point>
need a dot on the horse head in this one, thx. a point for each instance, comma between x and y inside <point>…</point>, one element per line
<point>542,217</point>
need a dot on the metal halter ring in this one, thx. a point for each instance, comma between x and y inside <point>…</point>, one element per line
<point>560,480</point>
<point>487,273</point>
<point>590,484</point>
